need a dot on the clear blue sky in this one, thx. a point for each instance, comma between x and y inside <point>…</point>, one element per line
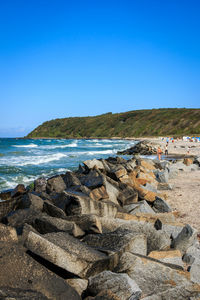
<point>78,58</point>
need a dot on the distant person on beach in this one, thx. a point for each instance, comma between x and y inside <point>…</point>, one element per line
<point>166,149</point>
<point>159,152</point>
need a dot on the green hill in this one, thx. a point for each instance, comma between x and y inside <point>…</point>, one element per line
<point>154,122</point>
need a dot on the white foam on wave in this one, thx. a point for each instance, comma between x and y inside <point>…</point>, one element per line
<point>72,145</point>
<point>25,146</point>
<point>31,160</point>
<point>93,152</point>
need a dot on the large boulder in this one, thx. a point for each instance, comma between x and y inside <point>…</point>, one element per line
<point>162,176</point>
<point>47,224</point>
<point>8,234</point>
<point>90,164</point>
<point>80,205</point>
<point>18,190</point>
<point>161,206</point>
<point>100,193</point>
<point>31,200</point>
<point>173,257</point>
<point>80,285</point>
<point>182,292</point>
<point>21,216</point>
<point>195,271</point>
<point>20,271</point>
<point>116,172</point>
<point>71,179</point>
<point>68,253</point>
<point>139,207</point>
<point>92,180</point>
<point>151,275</point>
<point>121,285</point>
<point>156,239</point>
<point>53,210</point>
<point>9,293</point>
<point>186,238</point>
<point>112,191</point>
<point>40,185</point>
<point>88,223</point>
<point>127,195</point>
<point>56,184</point>
<point>120,240</point>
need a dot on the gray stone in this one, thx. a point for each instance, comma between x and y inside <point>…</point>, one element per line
<point>90,164</point>
<point>172,257</point>
<point>130,165</point>
<point>8,234</point>
<point>161,205</point>
<point>156,240</point>
<point>162,176</point>
<point>117,171</point>
<point>64,199</point>
<point>9,293</point>
<point>56,184</point>
<point>80,285</point>
<point>70,179</point>
<point>149,187</point>
<point>112,191</point>
<point>140,207</point>
<point>21,216</point>
<point>151,276</point>
<point>120,284</point>
<point>65,251</point>
<point>92,180</point>
<point>47,224</point>
<point>120,240</point>
<point>20,271</point>
<point>172,228</point>
<point>40,185</point>
<point>161,164</point>
<point>187,291</point>
<point>80,205</point>
<point>104,295</point>
<point>88,223</point>
<point>164,186</point>
<point>26,229</point>
<point>185,238</point>
<point>79,189</point>
<point>31,200</point>
<point>173,171</point>
<point>195,271</point>
<point>127,194</point>
<point>193,252</point>
<point>53,210</point>
<point>18,190</point>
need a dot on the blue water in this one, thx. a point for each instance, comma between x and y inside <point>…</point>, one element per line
<point>23,160</point>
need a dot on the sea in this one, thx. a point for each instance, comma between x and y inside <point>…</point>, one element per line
<point>24,160</point>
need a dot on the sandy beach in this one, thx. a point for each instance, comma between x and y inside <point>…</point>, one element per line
<point>185,195</point>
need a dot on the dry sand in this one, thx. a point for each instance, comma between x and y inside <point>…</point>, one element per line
<point>185,196</point>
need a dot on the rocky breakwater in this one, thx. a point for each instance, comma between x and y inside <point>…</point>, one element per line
<point>141,147</point>
<point>104,231</point>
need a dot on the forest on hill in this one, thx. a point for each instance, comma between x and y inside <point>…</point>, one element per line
<point>138,123</point>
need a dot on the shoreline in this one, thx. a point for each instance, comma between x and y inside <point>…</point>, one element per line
<point>109,221</point>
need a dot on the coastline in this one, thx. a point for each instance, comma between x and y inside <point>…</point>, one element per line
<point>109,221</point>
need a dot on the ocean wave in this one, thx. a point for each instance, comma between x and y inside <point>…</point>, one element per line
<point>72,145</point>
<point>25,146</point>
<point>31,160</point>
<point>93,152</point>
